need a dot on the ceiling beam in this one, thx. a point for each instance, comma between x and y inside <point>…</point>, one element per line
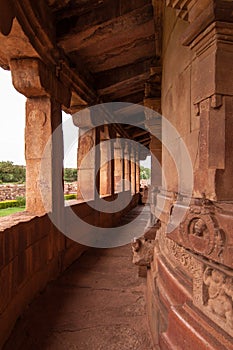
<point>126,87</point>
<point>120,55</point>
<point>136,24</point>
<point>116,75</point>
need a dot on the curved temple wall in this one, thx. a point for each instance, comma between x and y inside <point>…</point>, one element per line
<point>190,283</point>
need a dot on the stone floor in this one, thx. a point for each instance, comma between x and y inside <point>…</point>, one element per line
<point>98,303</point>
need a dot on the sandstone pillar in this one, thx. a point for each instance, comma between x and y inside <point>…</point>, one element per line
<point>44,155</point>
<point>43,117</point>
<point>123,164</point>
<point>129,165</point>
<point>118,166</point>
<point>105,160</point>
<point>86,164</point>
<point>126,162</point>
<point>112,168</point>
<point>154,124</point>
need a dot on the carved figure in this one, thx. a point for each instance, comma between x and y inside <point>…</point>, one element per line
<point>199,228</point>
<point>220,293</point>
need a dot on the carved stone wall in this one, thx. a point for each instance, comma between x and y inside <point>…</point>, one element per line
<point>191,278</point>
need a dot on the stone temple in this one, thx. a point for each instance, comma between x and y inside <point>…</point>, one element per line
<point>139,77</point>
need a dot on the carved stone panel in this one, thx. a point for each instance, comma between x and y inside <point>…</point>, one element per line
<point>206,231</point>
<point>200,232</point>
<point>214,296</point>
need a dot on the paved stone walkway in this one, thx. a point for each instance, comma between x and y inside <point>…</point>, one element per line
<point>98,303</point>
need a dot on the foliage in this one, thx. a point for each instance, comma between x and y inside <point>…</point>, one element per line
<point>8,204</point>
<point>70,174</point>
<point>18,202</point>
<point>12,173</point>
<point>21,201</point>
<point>70,196</point>
<point>145,173</point>
<point>17,173</point>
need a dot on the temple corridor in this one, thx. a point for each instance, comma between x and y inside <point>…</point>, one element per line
<point>98,303</point>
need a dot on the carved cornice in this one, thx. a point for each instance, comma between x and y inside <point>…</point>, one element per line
<point>216,15</point>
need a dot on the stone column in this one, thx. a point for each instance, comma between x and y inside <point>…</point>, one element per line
<point>105,160</point>
<point>135,170</point>
<point>88,157</point>
<point>43,116</point>
<point>129,162</point>
<point>123,164</point>
<point>126,161</point>
<point>112,168</point>
<point>86,164</point>
<point>44,155</point>
<point>118,165</point>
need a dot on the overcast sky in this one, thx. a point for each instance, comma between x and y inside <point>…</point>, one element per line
<point>12,114</point>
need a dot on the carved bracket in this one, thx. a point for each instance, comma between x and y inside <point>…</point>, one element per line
<point>33,79</point>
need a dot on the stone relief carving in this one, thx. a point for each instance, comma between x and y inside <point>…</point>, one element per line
<point>200,232</point>
<point>143,248</point>
<point>219,294</point>
<point>213,294</point>
<point>181,256</point>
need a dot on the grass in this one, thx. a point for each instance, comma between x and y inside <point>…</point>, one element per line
<point>9,211</point>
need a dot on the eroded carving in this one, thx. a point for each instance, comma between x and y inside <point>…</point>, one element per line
<point>143,248</point>
<point>218,295</point>
<point>200,232</point>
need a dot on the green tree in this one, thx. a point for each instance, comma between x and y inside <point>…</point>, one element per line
<point>145,173</point>
<point>70,174</point>
<point>12,173</point>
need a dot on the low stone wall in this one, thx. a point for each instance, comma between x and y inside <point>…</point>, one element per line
<point>33,252</point>
<point>70,187</point>
<point>8,192</point>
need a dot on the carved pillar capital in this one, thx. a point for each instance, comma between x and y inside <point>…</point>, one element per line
<point>33,79</point>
